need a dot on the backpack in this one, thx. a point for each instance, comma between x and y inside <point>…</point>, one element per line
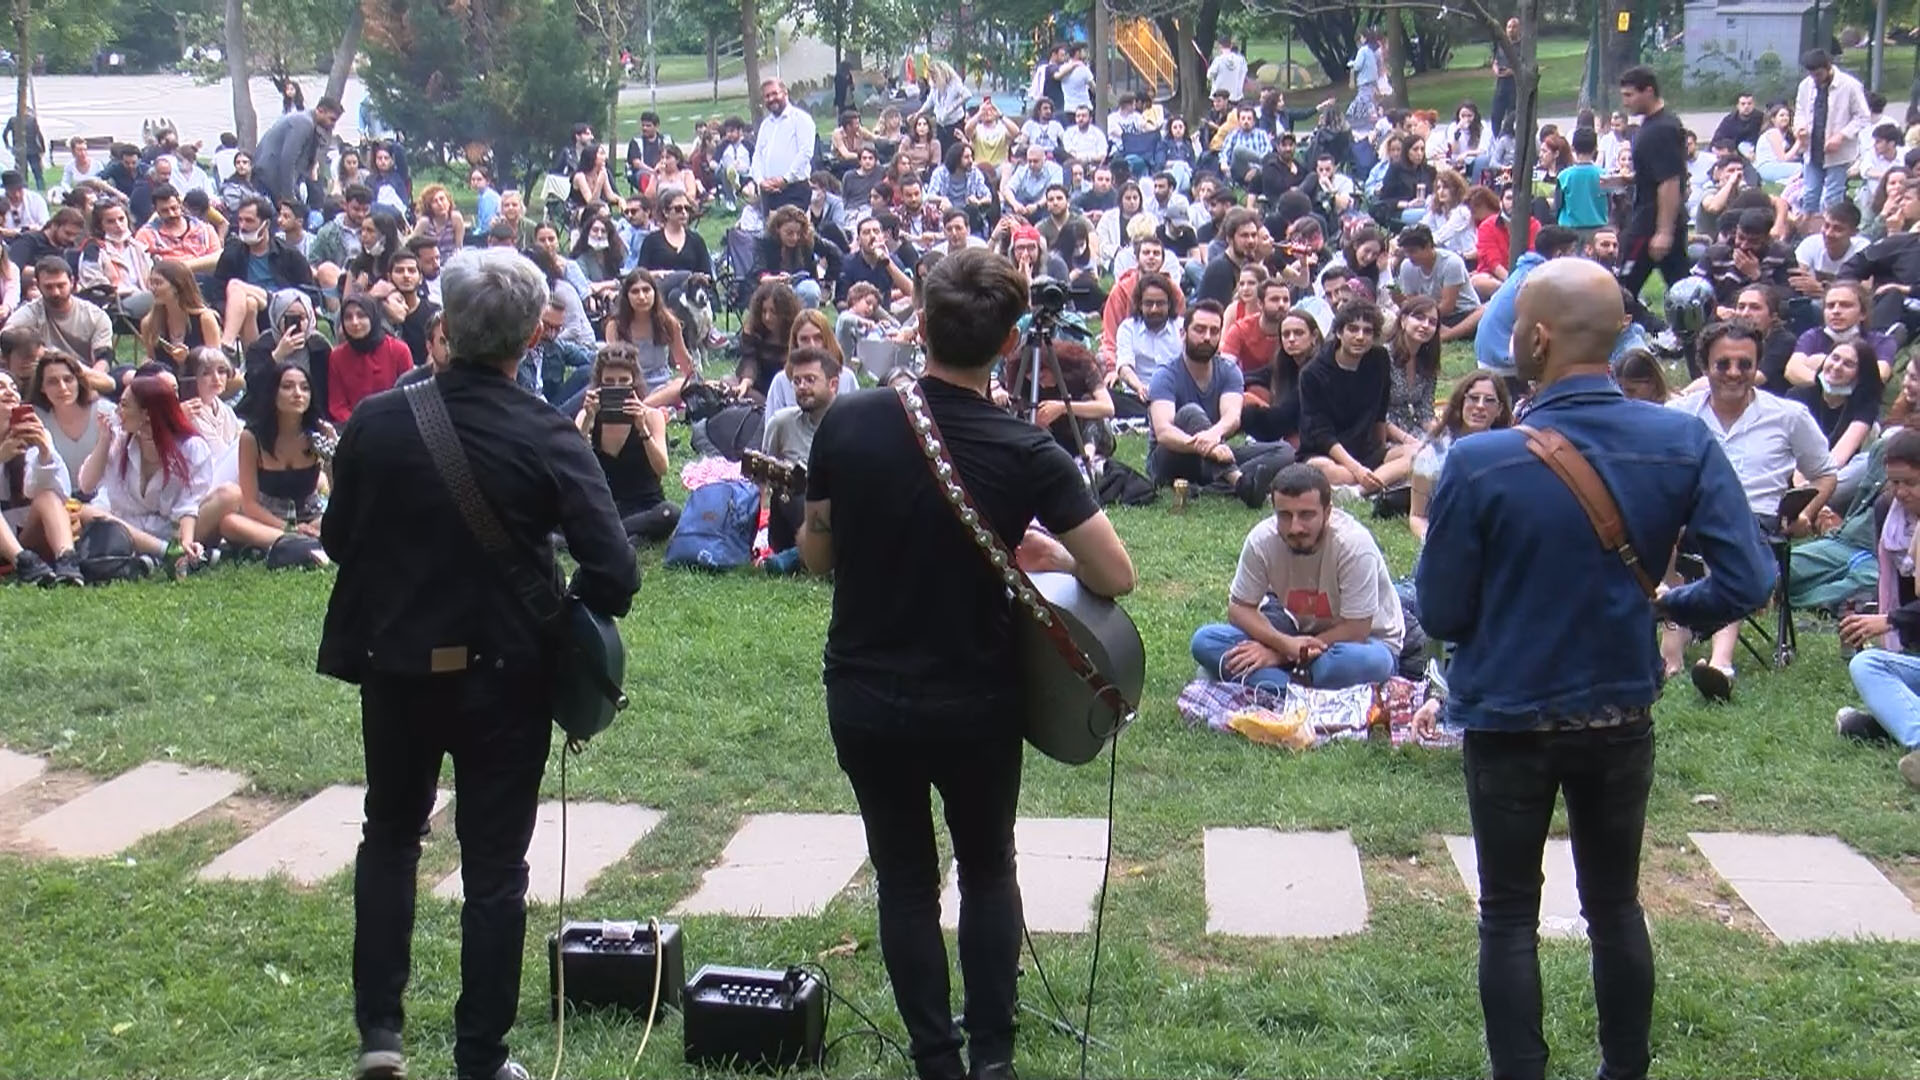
<point>716,527</point>
<point>106,553</point>
<point>735,428</point>
<point>1122,483</point>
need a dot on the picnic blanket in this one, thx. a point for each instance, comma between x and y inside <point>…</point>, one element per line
<point>1304,716</point>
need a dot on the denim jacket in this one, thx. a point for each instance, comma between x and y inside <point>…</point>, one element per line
<point>1543,618</point>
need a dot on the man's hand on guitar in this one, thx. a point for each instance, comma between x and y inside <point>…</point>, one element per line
<point>1040,553</point>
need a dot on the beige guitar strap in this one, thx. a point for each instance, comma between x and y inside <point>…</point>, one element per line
<point>1603,513</point>
<point>1026,597</point>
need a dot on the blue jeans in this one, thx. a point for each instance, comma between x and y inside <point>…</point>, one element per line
<point>1889,686</point>
<point>1823,186</point>
<point>1347,663</point>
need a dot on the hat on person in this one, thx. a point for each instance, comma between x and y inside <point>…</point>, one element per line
<point>1026,234</point>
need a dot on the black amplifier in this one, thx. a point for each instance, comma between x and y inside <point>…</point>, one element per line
<point>611,965</point>
<point>742,1017</point>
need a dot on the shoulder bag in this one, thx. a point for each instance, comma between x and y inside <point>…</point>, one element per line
<point>1083,664</point>
<point>589,659</point>
<point>1603,513</point>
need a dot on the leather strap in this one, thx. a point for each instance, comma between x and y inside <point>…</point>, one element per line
<point>1603,513</point>
<point>1027,598</point>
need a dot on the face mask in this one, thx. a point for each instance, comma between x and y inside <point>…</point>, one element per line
<point>254,236</point>
<point>1827,386</point>
<point>118,235</point>
<point>1839,336</point>
<point>597,243</point>
<point>377,248</point>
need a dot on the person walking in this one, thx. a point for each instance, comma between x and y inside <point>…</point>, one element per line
<point>1555,666</point>
<point>29,146</point>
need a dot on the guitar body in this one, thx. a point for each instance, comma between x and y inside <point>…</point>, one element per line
<point>591,659</point>
<point>1064,720</point>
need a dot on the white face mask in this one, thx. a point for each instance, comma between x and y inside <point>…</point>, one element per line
<point>1828,386</point>
<point>1839,336</point>
<point>597,243</point>
<point>254,236</point>
<point>118,234</point>
<point>377,248</point>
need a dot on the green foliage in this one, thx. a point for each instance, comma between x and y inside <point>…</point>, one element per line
<point>512,73</point>
<point>69,32</point>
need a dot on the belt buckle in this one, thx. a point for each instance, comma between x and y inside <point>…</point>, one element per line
<point>447,658</point>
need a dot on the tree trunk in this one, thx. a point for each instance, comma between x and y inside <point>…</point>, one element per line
<point>1102,53</point>
<point>245,124</point>
<point>1526,84</point>
<point>713,54</point>
<point>22,63</point>
<point>343,56</point>
<point>1190,75</point>
<point>1397,56</point>
<point>750,53</point>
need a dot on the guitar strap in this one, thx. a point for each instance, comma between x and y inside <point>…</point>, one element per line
<point>1026,597</point>
<point>1603,513</point>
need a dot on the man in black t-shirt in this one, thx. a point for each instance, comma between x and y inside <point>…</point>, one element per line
<point>920,651</point>
<point>1656,233</point>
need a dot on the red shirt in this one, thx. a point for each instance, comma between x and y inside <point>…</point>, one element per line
<point>1491,252</point>
<point>1247,342</point>
<point>353,376</point>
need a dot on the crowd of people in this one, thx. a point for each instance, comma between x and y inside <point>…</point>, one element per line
<point>1267,286</point>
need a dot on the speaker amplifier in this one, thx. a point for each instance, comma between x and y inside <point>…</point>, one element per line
<point>745,1017</point>
<point>611,965</point>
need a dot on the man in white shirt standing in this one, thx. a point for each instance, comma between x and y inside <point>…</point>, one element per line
<point>1228,72</point>
<point>1770,439</point>
<point>783,150</point>
<point>1829,115</point>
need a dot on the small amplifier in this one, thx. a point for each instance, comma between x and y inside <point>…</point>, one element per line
<point>611,965</point>
<point>742,1017</point>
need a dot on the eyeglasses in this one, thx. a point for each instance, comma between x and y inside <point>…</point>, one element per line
<point>1725,366</point>
<point>636,212</point>
<point>679,208</point>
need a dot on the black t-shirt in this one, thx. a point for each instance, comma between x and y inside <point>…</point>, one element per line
<point>1345,407</point>
<point>1833,419</point>
<point>657,254</point>
<point>921,639</point>
<point>1659,155</point>
<point>630,476</point>
<point>1774,354</point>
<point>1219,279</point>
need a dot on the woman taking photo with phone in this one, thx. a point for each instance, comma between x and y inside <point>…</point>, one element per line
<point>36,538</point>
<point>629,440</point>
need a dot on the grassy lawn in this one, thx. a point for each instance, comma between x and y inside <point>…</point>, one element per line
<point>133,967</point>
<point>1467,77</point>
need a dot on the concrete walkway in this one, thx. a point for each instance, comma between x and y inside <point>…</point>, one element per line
<point>1259,883</point>
<point>804,58</point>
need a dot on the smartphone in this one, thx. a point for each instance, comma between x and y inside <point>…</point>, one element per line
<point>19,414</point>
<point>290,323</point>
<point>613,404</point>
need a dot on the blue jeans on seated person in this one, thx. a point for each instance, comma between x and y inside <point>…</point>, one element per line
<point>1344,664</point>
<point>1889,686</point>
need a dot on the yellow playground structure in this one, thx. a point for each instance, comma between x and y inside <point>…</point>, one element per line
<point>1140,42</point>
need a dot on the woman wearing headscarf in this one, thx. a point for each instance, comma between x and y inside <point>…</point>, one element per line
<point>368,361</point>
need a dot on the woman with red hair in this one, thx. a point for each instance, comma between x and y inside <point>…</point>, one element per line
<point>155,478</point>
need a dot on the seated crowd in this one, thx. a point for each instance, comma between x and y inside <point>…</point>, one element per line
<point>1269,306</point>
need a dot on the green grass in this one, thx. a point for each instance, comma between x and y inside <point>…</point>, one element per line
<point>1467,77</point>
<point>677,117</point>
<point>132,967</point>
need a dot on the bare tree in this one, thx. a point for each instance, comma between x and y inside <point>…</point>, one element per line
<point>1526,78</point>
<point>343,55</point>
<point>246,125</point>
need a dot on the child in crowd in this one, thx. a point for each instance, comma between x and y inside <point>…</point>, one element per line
<point>1583,206</point>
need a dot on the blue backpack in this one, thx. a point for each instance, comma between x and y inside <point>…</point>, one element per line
<point>716,527</point>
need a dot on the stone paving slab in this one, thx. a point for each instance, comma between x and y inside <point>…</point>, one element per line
<point>307,845</point>
<point>1559,899</point>
<point>598,835</point>
<point>1811,888</point>
<point>1060,864</point>
<point>780,866</point>
<point>1266,883</point>
<point>18,769</point>
<point>112,817</point>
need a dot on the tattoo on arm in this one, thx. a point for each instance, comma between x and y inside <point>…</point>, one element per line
<point>820,523</point>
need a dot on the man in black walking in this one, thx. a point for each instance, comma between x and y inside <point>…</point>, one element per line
<point>1656,234</point>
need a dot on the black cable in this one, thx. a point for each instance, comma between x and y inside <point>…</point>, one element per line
<point>1100,909</point>
<point>871,1028</point>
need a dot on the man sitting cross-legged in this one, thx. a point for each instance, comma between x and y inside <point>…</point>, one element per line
<point>1311,597</point>
<point>815,374</point>
<point>1194,408</point>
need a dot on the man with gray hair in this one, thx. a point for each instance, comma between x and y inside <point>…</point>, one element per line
<point>448,661</point>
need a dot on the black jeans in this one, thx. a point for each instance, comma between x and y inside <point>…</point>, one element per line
<point>1511,782</point>
<point>496,728</point>
<point>979,784</point>
<point>1639,263</point>
<point>655,523</point>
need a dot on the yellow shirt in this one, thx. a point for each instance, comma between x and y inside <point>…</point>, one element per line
<point>991,142</point>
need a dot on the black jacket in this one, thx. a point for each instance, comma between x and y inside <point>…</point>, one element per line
<point>290,268</point>
<point>413,579</point>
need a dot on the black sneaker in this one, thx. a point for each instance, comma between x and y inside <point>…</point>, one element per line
<point>31,569</point>
<point>66,569</point>
<point>1713,683</point>
<point>380,1065</point>
<point>1859,724</point>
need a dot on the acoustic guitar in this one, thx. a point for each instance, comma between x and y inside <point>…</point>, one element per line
<point>781,476</point>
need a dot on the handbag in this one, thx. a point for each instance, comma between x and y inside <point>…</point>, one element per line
<point>589,658</point>
<point>1075,703</point>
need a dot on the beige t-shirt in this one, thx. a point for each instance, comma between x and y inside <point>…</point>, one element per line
<point>1347,578</point>
<point>84,330</point>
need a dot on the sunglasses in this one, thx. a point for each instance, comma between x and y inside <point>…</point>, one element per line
<point>1725,366</point>
<point>680,208</point>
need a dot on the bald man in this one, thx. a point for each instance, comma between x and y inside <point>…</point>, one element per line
<point>1554,667</point>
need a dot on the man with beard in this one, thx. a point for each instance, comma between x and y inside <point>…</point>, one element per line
<point>1148,340</point>
<point>287,154</point>
<point>815,375</point>
<point>1246,244</point>
<point>783,151</point>
<point>338,241</point>
<point>1553,672</point>
<point>1149,257</point>
<point>1493,338</point>
<point>1311,599</point>
<point>1194,408</point>
<point>254,265</point>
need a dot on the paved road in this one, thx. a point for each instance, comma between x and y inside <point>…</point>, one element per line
<point>804,58</point>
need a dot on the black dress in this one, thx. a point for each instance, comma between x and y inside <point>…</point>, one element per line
<point>644,509</point>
